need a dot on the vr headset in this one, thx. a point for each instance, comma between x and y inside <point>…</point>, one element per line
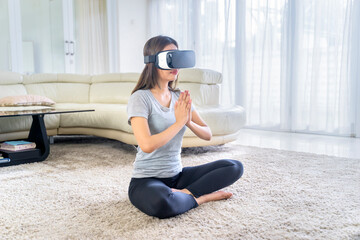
<point>167,60</point>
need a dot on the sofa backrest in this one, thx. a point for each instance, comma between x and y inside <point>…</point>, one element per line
<point>112,87</point>
<point>203,84</point>
<point>11,84</point>
<point>61,88</point>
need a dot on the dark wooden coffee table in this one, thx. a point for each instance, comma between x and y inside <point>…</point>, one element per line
<point>37,134</point>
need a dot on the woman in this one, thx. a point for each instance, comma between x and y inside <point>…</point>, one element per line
<point>159,115</point>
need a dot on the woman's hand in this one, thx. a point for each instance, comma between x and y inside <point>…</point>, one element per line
<point>194,121</point>
<point>183,108</point>
<point>189,114</point>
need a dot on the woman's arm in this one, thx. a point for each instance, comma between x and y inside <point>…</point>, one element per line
<point>147,142</point>
<point>198,126</point>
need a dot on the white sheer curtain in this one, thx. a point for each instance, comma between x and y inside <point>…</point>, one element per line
<point>262,90</point>
<point>174,19</point>
<point>298,65</point>
<point>354,64</point>
<point>204,26</point>
<point>298,59</point>
<point>321,91</point>
<point>91,37</point>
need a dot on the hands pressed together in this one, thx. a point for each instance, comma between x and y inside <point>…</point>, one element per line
<point>183,108</point>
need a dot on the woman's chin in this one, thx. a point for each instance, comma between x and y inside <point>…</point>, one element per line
<point>173,79</point>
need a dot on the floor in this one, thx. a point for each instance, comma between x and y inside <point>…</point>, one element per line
<point>334,146</point>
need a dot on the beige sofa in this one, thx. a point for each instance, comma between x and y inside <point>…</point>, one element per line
<point>108,94</point>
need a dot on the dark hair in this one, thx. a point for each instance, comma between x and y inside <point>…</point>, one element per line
<point>149,76</point>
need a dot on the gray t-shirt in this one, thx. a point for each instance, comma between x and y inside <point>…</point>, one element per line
<point>165,161</point>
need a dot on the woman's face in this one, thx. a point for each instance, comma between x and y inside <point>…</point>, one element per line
<point>168,75</point>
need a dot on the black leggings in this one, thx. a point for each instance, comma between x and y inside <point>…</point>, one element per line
<point>154,196</point>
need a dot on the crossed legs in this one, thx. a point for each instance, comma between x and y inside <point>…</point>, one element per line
<point>164,198</point>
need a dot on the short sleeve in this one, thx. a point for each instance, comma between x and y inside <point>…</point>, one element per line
<point>138,106</point>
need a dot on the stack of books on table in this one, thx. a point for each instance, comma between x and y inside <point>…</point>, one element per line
<point>4,160</point>
<point>16,151</point>
<point>17,145</point>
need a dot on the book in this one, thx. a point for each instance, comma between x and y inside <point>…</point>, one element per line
<point>17,145</point>
<point>4,160</point>
<point>21,142</point>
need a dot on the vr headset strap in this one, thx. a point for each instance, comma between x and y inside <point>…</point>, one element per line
<point>150,59</point>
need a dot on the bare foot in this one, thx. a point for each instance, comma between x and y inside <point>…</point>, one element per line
<point>215,196</point>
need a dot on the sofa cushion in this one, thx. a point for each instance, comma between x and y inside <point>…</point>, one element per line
<point>12,90</point>
<point>202,94</point>
<point>62,88</point>
<point>105,116</point>
<point>115,77</point>
<point>61,92</point>
<point>57,78</point>
<point>111,92</point>
<point>26,100</point>
<point>10,78</point>
<point>112,87</point>
<point>196,75</point>
<point>221,119</point>
<point>11,84</point>
<point>23,123</point>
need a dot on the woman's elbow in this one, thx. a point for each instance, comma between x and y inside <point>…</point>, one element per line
<point>147,148</point>
<point>208,136</point>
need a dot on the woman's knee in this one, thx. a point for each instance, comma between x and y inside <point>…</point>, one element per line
<point>163,208</point>
<point>237,168</point>
<point>155,205</point>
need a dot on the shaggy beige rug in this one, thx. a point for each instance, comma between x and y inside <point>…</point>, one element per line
<point>80,192</point>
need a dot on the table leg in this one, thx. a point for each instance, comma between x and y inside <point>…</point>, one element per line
<point>38,135</point>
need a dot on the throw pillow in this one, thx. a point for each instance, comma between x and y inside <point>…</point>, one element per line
<point>24,110</point>
<point>26,100</point>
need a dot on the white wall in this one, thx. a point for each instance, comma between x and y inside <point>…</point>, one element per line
<point>41,22</point>
<point>132,34</point>
<point>42,25</point>
<point>34,23</point>
<point>5,36</point>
